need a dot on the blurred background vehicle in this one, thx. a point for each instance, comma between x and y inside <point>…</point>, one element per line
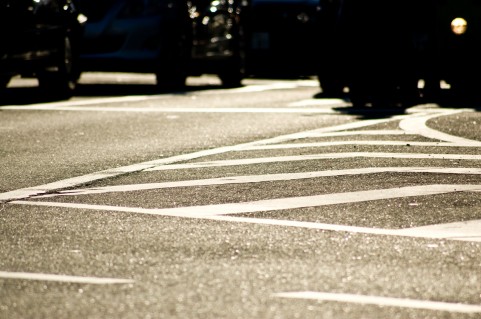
<point>40,39</point>
<point>219,40</point>
<point>170,38</point>
<point>145,36</point>
<point>282,37</point>
<point>378,50</point>
<point>459,40</point>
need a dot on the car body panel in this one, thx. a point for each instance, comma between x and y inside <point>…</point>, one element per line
<point>131,35</point>
<point>148,36</point>
<point>459,54</point>
<point>31,33</point>
<point>282,36</point>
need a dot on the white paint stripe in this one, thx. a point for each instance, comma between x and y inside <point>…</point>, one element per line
<point>63,104</point>
<point>63,278</point>
<point>473,235</point>
<point>320,102</point>
<point>418,126</point>
<point>273,86</point>
<point>365,132</point>
<point>264,178</point>
<point>76,105</point>
<point>372,143</point>
<point>75,181</point>
<point>383,301</point>
<point>38,107</point>
<point>206,212</point>
<point>277,203</point>
<point>279,159</point>
<point>468,230</point>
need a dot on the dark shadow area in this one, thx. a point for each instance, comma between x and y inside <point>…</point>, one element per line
<point>100,90</point>
<point>365,112</point>
<point>449,99</point>
<point>445,98</point>
<point>26,95</point>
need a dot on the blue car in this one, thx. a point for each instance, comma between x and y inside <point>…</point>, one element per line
<point>171,38</point>
<point>40,39</point>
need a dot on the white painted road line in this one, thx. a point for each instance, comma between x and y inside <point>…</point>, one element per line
<point>468,230</point>
<point>360,143</point>
<point>263,178</point>
<point>63,278</point>
<point>382,301</point>
<point>277,203</point>
<point>218,212</point>
<point>279,110</point>
<point>357,133</point>
<point>75,181</point>
<point>328,156</point>
<point>418,126</point>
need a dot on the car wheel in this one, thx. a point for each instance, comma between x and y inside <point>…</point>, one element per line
<point>331,87</point>
<point>172,78</point>
<point>62,81</point>
<point>4,80</point>
<point>173,63</point>
<point>232,74</point>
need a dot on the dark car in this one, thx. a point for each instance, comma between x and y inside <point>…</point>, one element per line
<point>40,39</point>
<point>170,38</point>
<point>380,50</point>
<point>282,37</point>
<point>377,49</point>
<point>459,42</point>
<point>219,40</point>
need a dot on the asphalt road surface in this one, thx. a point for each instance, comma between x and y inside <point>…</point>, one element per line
<point>264,201</point>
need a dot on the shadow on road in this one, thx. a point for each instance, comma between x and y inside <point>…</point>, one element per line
<point>26,95</point>
<point>445,99</point>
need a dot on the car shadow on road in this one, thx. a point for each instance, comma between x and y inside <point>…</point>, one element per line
<point>445,99</point>
<point>34,95</point>
<point>25,96</point>
<point>364,112</point>
<point>102,90</point>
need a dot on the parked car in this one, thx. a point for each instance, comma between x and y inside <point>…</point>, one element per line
<point>40,39</point>
<point>170,38</point>
<point>219,40</point>
<point>282,37</point>
<point>378,49</point>
<point>459,38</point>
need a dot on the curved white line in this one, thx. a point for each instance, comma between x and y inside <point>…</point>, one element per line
<point>417,125</point>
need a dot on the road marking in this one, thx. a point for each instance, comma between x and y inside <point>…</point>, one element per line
<point>357,133</point>
<point>219,211</point>
<point>372,143</point>
<point>79,180</point>
<point>328,156</point>
<point>63,278</point>
<point>180,109</point>
<point>76,105</point>
<point>468,230</point>
<point>320,102</point>
<point>277,203</point>
<point>417,125</point>
<point>382,301</point>
<point>263,178</point>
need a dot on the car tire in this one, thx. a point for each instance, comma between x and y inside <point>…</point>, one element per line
<point>172,78</point>
<point>235,69</point>
<point>4,80</point>
<point>62,82</point>
<point>172,68</point>
<point>331,87</point>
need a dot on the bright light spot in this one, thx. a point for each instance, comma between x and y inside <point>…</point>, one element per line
<point>459,26</point>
